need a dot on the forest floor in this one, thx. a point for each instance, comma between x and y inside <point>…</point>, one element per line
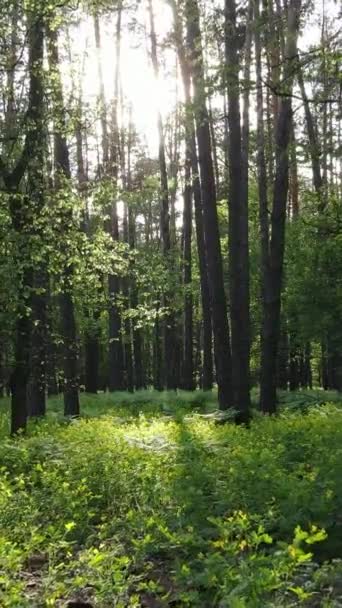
<point>148,501</point>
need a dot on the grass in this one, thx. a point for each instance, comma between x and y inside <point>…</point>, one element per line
<point>145,502</point>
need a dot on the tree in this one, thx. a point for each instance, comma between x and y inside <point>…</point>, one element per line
<point>24,211</point>
<point>238,222</point>
<point>210,219</point>
<point>169,323</point>
<point>273,272</point>
<point>62,186</point>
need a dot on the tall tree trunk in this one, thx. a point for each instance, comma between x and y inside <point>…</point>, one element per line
<point>274,270</point>
<point>37,188</point>
<point>128,343</point>
<point>51,364</point>
<point>91,338</point>
<point>139,380</point>
<point>314,145</point>
<point>214,146</point>
<point>115,349</point>
<point>24,212</point>
<point>294,186</point>
<point>62,181</point>
<point>261,164</point>
<point>39,337</point>
<point>294,364</point>
<point>238,223</point>
<point>283,358</point>
<point>207,367</point>
<point>210,218</point>
<point>188,382</point>
<point>157,355</point>
<point>102,99</point>
<point>169,322</point>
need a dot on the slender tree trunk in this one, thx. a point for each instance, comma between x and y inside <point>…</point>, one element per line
<point>207,370</point>
<point>169,323</point>
<point>188,382</point>
<point>210,218</point>
<point>307,363</point>
<point>102,99</point>
<point>139,380</point>
<point>294,187</point>
<point>207,366</point>
<point>128,343</point>
<point>294,365</point>
<point>62,180</point>
<point>157,356</point>
<point>261,165</point>
<point>91,338</point>
<point>214,146</point>
<point>314,145</point>
<point>2,372</point>
<point>273,283</point>
<point>238,222</point>
<point>283,359</point>
<point>37,188</point>
<point>24,212</point>
<point>39,337</point>
<point>115,349</point>
<point>51,366</point>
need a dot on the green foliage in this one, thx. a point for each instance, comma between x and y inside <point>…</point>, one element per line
<point>153,503</point>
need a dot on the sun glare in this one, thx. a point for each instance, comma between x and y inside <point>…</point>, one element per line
<point>140,88</point>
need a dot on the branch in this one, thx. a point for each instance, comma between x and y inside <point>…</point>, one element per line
<point>280,93</point>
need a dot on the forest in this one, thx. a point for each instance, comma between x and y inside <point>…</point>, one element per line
<point>170,303</point>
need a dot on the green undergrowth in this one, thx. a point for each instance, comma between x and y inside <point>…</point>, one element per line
<point>156,403</point>
<point>132,509</point>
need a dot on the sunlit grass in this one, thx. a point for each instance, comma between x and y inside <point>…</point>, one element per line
<point>146,500</point>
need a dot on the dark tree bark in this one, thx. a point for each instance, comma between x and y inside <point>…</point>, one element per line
<point>307,365</point>
<point>274,269</point>
<point>283,360</point>
<point>294,365</point>
<point>62,180</point>
<point>207,367</point>
<point>210,218</point>
<point>91,338</point>
<point>128,343</point>
<point>261,164</point>
<point>294,186</point>
<point>115,349</point>
<point>92,360</point>
<point>157,355</point>
<point>188,381</point>
<point>169,322</point>
<point>214,146</point>
<point>51,364</point>
<point>238,223</point>
<point>102,99</point>
<point>139,381</point>
<point>314,145</point>
<point>138,373</point>
<point>2,372</point>
<point>24,212</point>
<point>37,188</point>
<point>197,360</point>
<point>39,337</point>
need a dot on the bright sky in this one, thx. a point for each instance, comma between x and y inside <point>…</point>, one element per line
<point>139,85</point>
<point>138,82</point>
